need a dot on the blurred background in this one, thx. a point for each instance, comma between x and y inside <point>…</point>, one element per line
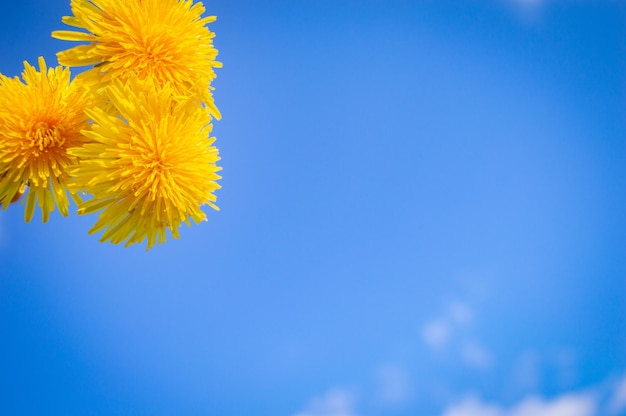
<point>423,212</point>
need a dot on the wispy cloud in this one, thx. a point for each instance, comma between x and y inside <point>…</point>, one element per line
<point>436,334</point>
<point>472,406</point>
<point>460,313</point>
<point>528,10</point>
<point>617,403</point>
<point>583,404</point>
<point>526,372</point>
<point>394,385</point>
<point>453,327</point>
<point>572,404</point>
<point>476,356</point>
<point>336,402</point>
<point>528,3</point>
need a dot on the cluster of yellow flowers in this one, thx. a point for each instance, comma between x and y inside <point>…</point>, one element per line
<point>129,138</point>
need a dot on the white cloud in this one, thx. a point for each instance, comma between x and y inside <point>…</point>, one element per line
<point>582,404</point>
<point>617,403</point>
<point>436,334</point>
<point>394,385</point>
<point>455,323</point>
<point>473,407</point>
<point>336,402</point>
<point>573,404</point>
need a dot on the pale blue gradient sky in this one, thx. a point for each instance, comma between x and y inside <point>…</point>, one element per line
<point>422,201</point>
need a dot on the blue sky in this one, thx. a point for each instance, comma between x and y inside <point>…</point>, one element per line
<point>423,212</point>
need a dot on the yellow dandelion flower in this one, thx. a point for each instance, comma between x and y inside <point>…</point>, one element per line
<point>150,168</point>
<point>166,40</point>
<point>40,121</point>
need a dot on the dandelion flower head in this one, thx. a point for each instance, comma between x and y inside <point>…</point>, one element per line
<point>166,40</point>
<point>150,168</point>
<point>41,119</point>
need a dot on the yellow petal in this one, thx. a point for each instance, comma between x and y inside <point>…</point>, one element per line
<point>71,35</point>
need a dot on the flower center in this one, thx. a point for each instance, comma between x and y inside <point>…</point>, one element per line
<point>154,55</point>
<point>42,136</point>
